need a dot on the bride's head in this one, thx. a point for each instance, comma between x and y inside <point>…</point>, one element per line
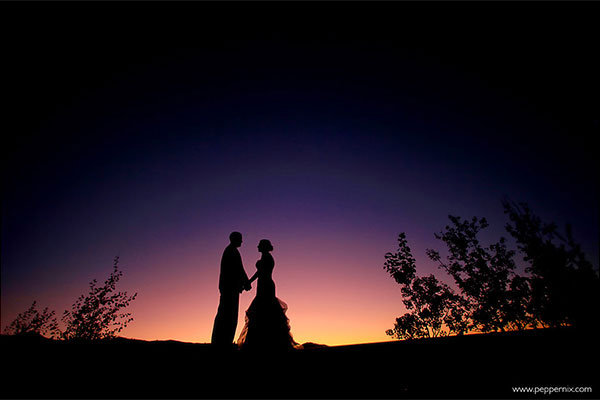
<point>265,246</point>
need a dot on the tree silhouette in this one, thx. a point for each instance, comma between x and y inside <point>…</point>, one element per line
<point>434,309</point>
<point>484,275</point>
<point>32,321</point>
<point>97,315</point>
<point>563,283</point>
<point>561,289</point>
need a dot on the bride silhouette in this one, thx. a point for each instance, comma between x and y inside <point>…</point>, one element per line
<point>267,327</point>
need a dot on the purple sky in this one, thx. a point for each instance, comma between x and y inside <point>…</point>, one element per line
<point>153,138</point>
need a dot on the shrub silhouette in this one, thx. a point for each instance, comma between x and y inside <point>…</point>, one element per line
<point>434,309</point>
<point>32,321</point>
<point>98,315</point>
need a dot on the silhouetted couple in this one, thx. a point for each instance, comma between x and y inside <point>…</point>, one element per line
<point>267,327</point>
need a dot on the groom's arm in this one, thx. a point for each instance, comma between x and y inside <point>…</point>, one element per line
<point>245,281</point>
<point>253,277</point>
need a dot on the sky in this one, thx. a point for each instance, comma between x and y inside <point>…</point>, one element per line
<point>151,131</point>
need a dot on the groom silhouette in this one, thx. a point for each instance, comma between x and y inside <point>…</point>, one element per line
<point>232,281</point>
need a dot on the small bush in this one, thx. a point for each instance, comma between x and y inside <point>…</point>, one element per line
<point>98,315</point>
<point>34,322</point>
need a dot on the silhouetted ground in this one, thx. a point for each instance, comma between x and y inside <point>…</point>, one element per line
<point>473,366</point>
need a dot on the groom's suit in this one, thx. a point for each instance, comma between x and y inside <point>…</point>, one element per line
<point>232,281</point>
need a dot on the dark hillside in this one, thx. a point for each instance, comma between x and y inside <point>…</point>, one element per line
<point>473,366</point>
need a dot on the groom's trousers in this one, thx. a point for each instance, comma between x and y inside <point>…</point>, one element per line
<point>226,319</point>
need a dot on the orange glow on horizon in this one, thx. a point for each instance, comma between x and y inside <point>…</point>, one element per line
<point>334,297</point>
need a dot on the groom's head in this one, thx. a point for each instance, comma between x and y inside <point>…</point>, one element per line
<point>236,239</point>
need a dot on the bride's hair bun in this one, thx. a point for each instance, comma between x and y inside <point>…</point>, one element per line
<point>265,244</point>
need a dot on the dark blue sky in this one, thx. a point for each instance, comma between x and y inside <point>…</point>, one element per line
<point>128,122</point>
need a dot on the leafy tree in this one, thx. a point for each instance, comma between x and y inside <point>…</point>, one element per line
<point>34,322</point>
<point>98,315</point>
<point>518,310</point>
<point>401,264</point>
<point>484,275</point>
<point>432,305</point>
<point>563,283</point>
<point>561,289</point>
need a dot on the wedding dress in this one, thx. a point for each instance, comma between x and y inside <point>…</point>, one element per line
<point>267,327</point>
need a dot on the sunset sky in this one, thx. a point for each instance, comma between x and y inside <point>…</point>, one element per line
<point>151,131</point>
